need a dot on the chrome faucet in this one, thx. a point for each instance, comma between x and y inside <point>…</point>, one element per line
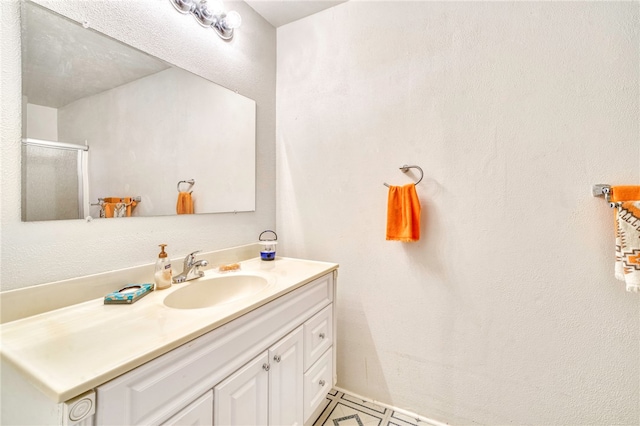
<point>191,268</point>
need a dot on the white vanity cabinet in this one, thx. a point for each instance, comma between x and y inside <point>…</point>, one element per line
<point>285,385</point>
<point>271,366</point>
<point>267,390</point>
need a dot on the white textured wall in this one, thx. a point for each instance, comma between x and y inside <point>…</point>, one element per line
<point>39,252</point>
<point>41,122</point>
<point>506,312</point>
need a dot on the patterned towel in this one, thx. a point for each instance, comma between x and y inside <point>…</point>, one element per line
<point>120,210</point>
<point>117,207</point>
<point>627,217</point>
<point>628,244</point>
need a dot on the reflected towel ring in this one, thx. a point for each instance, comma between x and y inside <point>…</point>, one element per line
<point>406,168</point>
<point>191,182</point>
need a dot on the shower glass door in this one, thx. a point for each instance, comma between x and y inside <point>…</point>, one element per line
<point>54,180</point>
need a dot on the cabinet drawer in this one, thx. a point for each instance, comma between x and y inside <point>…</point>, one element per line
<point>318,335</point>
<point>317,383</point>
<point>199,412</point>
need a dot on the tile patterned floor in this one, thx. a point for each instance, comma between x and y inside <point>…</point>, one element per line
<point>342,409</point>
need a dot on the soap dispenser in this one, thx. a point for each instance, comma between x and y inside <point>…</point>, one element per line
<point>163,273</point>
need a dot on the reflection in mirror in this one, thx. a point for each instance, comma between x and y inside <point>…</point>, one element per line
<point>109,131</point>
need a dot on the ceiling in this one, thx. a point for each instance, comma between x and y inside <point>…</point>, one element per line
<point>52,39</point>
<point>281,12</point>
<point>63,62</point>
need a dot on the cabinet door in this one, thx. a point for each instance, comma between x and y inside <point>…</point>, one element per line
<point>242,398</point>
<point>286,384</point>
<point>199,412</point>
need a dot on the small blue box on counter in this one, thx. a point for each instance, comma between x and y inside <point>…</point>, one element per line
<point>128,294</point>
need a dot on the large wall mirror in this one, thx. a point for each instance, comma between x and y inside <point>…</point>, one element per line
<point>110,131</point>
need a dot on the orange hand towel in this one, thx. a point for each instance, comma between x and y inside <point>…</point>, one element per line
<point>185,203</point>
<point>625,193</point>
<point>109,209</point>
<point>403,213</point>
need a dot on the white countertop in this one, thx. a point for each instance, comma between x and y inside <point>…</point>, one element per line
<point>71,350</point>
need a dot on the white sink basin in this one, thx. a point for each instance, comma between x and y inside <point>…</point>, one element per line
<point>209,291</point>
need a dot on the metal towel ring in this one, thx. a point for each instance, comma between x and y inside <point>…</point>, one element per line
<point>191,182</point>
<point>406,168</point>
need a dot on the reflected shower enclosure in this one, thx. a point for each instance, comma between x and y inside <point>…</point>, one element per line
<point>54,180</point>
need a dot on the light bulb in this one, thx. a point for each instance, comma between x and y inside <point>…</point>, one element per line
<point>216,7</point>
<point>232,20</point>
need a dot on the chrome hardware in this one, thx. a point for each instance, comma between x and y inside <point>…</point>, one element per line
<point>406,168</point>
<point>189,182</point>
<point>277,358</point>
<point>603,190</point>
<point>600,189</point>
<point>222,22</point>
<point>191,268</point>
<point>184,6</point>
<point>322,382</point>
<point>266,366</point>
<point>321,335</point>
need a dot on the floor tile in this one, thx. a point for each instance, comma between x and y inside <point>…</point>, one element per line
<point>352,420</point>
<point>343,409</point>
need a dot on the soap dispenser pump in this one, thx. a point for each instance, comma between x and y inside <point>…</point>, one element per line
<point>163,274</point>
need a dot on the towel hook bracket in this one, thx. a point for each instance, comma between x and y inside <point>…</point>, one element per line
<point>405,168</point>
<point>190,182</point>
<point>603,190</point>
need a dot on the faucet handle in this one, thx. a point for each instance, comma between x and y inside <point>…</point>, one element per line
<point>190,259</point>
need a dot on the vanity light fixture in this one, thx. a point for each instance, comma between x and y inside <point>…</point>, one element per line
<point>215,17</point>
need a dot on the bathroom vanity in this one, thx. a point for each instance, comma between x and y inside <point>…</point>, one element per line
<point>263,356</point>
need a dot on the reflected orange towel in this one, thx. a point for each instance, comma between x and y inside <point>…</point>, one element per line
<point>108,209</point>
<point>110,204</point>
<point>185,203</point>
<point>403,213</point>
